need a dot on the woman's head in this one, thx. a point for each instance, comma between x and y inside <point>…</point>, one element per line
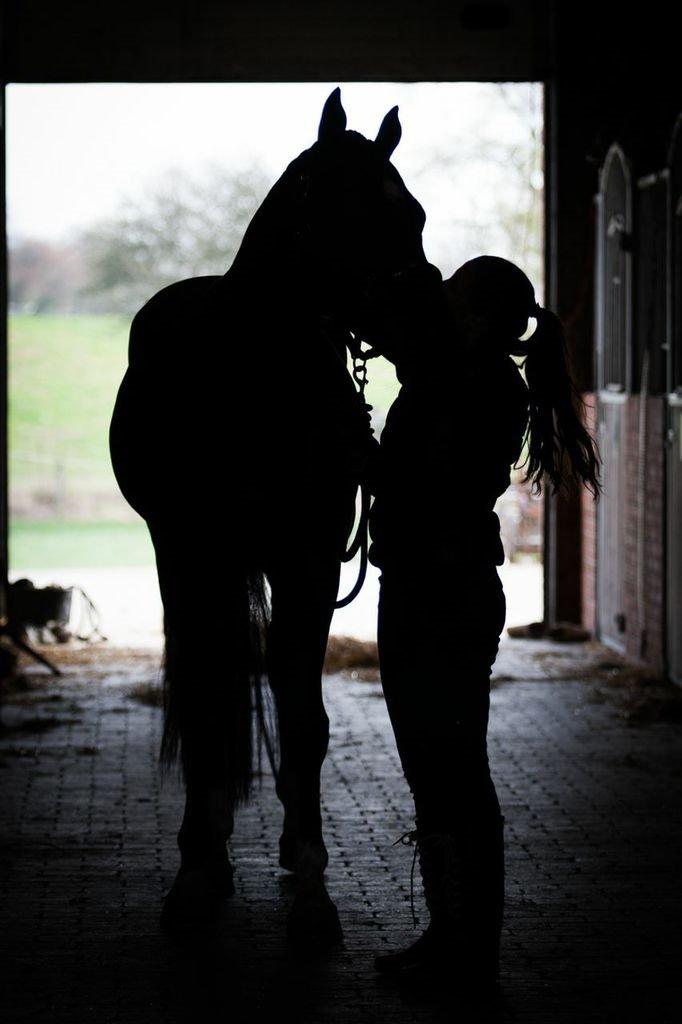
<point>492,301</point>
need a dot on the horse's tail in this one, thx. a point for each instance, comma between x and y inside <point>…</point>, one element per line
<point>218,712</point>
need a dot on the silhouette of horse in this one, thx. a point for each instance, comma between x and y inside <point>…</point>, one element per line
<point>239,437</point>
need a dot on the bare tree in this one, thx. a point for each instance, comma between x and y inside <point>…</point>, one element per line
<point>181,227</point>
<point>500,171</point>
<point>44,277</point>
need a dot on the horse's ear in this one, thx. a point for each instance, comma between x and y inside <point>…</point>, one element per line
<point>389,133</point>
<point>333,120</point>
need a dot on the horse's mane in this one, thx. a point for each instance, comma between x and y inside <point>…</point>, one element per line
<point>272,229</point>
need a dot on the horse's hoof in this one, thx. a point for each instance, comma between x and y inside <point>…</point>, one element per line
<point>195,899</point>
<point>314,920</point>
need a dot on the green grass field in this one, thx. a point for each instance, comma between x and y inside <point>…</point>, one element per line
<point>64,372</point>
<point>382,387</point>
<point>61,545</point>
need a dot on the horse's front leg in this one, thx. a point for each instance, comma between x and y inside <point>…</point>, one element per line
<point>303,599</point>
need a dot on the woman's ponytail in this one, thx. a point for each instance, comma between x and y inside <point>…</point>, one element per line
<point>558,442</point>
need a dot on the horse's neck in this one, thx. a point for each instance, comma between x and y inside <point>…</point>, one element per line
<point>270,235</point>
<point>272,269</point>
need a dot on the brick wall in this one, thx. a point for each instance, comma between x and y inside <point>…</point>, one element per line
<point>589,533</point>
<point>644,532</point>
<point>644,528</point>
<point>654,534</point>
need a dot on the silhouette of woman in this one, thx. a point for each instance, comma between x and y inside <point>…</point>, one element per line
<point>456,428</point>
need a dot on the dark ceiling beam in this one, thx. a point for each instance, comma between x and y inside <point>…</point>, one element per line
<point>265,40</point>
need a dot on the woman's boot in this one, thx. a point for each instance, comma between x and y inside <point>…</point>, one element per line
<point>463,876</point>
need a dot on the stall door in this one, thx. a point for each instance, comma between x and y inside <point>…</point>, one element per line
<point>674,566</point>
<point>674,415</point>
<point>613,349</point>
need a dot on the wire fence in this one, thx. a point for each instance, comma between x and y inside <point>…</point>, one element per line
<point>54,485</point>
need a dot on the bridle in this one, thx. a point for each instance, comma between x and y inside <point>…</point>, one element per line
<point>360,357</point>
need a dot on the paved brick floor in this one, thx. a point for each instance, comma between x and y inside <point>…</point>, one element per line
<point>593,839</point>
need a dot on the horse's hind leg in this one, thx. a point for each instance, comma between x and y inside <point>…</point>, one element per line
<point>207,715</point>
<point>303,599</point>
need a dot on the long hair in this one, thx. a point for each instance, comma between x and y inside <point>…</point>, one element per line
<point>559,445</point>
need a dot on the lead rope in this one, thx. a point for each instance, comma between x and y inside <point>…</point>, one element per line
<point>408,839</point>
<point>359,542</point>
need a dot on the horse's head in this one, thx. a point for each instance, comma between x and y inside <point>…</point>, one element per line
<point>359,224</point>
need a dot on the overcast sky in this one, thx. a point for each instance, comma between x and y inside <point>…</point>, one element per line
<point>74,151</point>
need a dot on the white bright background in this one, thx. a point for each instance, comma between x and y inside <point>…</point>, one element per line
<point>75,151</point>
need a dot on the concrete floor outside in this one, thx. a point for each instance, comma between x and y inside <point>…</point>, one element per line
<point>586,757</point>
<point>130,606</point>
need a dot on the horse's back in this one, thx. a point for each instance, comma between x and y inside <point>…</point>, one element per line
<point>165,316</point>
<point>142,436</point>
<point>218,414</point>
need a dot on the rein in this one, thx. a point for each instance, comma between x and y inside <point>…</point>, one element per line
<point>360,541</point>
